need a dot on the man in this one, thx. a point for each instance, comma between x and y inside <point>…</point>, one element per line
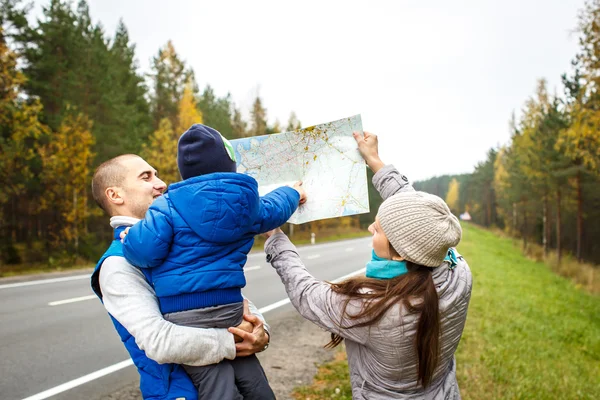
<point>124,187</point>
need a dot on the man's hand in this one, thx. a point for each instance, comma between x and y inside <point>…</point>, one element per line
<point>244,325</point>
<point>301,191</point>
<point>369,150</point>
<point>253,342</point>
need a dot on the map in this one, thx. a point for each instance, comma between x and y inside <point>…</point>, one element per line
<point>324,157</point>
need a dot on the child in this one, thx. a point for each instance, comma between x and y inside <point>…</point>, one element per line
<point>192,247</point>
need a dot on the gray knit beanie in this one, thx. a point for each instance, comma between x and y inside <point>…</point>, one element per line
<point>419,226</point>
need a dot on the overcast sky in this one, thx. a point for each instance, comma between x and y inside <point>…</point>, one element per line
<point>436,80</point>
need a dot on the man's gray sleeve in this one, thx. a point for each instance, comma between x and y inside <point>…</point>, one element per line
<point>388,181</point>
<point>129,298</point>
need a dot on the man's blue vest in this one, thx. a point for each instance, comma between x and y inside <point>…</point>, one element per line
<point>157,381</point>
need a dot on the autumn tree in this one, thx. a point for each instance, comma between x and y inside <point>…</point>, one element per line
<point>187,111</point>
<point>161,149</point>
<point>67,162</point>
<point>452,196</point>
<point>20,133</point>
<point>161,152</point>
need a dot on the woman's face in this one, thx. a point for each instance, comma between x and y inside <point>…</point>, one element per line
<point>381,245</point>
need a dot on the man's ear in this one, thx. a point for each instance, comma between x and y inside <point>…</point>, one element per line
<point>114,196</point>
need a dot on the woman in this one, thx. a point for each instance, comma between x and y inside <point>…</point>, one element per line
<point>403,321</point>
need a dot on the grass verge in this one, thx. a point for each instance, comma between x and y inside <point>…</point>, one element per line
<point>530,334</point>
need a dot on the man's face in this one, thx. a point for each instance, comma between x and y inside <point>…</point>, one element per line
<point>140,187</point>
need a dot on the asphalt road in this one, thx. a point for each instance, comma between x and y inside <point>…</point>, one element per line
<point>56,340</point>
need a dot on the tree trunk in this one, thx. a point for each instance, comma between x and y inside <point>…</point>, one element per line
<point>579,216</point>
<point>545,225</point>
<point>86,215</point>
<point>514,219</point>
<point>489,206</point>
<point>13,224</point>
<point>524,230</point>
<point>75,222</point>
<point>558,226</point>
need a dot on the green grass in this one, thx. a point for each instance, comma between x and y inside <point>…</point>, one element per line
<point>332,381</point>
<point>530,334</point>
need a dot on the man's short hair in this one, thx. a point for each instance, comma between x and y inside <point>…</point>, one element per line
<point>109,173</point>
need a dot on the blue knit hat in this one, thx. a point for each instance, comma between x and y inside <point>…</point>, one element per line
<point>203,150</point>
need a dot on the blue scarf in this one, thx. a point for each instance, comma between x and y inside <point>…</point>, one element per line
<point>382,268</point>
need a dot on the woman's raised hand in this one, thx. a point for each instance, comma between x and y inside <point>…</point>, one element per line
<point>368,147</point>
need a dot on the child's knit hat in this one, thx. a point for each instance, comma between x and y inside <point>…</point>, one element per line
<point>203,150</point>
<point>419,226</point>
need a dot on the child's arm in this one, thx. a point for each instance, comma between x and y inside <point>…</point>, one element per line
<point>278,206</point>
<point>148,242</point>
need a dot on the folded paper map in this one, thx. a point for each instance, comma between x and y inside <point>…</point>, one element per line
<point>324,157</point>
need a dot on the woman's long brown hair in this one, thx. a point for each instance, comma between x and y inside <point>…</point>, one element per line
<point>381,294</point>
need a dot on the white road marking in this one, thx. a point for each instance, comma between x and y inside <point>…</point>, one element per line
<point>273,306</point>
<point>123,364</point>
<point>349,248</point>
<point>313,257</point>
<point>73,300</point>
<point>44,281</point>
<point>252,268</point>
<point>80,381</point>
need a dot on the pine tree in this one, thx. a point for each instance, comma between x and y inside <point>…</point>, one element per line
<point>70,61</point>
<point>293,123</point>
<point>239,127</point>
<point>259,118</point>
<point>275,128</point>
<point>216,112</point>
<point>129,93</point>
<point>169,79</point>
<point>52,55</point>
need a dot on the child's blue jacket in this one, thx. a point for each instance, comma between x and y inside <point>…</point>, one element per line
<point>193,243</point>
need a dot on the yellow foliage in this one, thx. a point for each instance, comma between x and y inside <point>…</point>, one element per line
<point>581,142</point>
<point>11,80</point>
<point>161,149</point>
<point>18,150</point>
<point>22,127</point>
<point>161,152</point>
<point>188,111</point>
<point>66,175</point>
<point>452,196</point>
